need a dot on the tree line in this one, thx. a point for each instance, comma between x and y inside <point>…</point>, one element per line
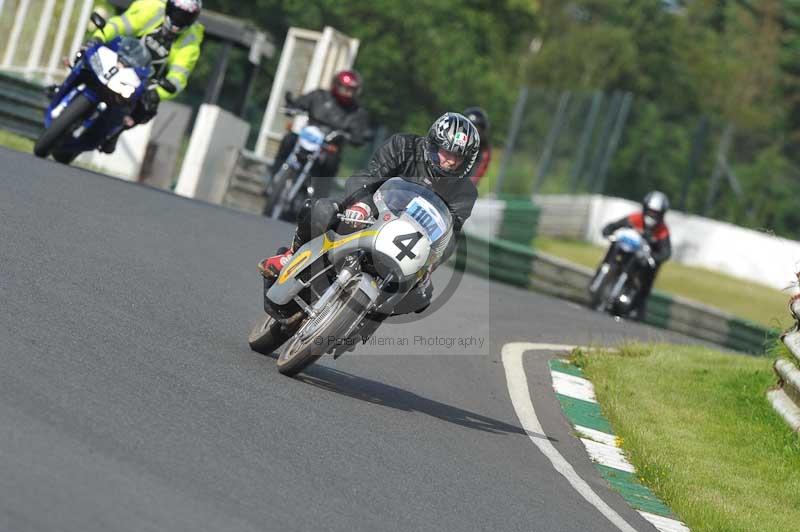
<point>699,71</point>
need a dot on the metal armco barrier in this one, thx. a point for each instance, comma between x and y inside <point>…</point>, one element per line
<point>785,399</point>
<point>524,267</point>
<point>22,106</point>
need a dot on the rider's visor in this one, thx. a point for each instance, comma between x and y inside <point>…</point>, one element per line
<point>345,91</point>
<point>172,27</point>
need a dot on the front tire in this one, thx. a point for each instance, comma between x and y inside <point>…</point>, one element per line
<point>599,299</point>
<point>66,122</point>
<point>276,192</point>
<point>344,311</point>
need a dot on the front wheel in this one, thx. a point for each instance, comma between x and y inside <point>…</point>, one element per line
<point>63,125</point>
<point>599,298</point>
<point>323,334</point>
<point>273,206</point>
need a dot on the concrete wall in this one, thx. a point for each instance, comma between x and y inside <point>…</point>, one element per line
<point>126,161</point>
<point>753,255</point>
<point>159,168</point>
<point>214,147</point>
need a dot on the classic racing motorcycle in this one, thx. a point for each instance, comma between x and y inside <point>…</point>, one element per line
<point>104,83</point>
<point>616,283</point>
<point>334,286</point>
<point>291,185</point>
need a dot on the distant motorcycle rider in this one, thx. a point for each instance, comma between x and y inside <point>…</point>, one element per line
<point>337,108</point>
<point>480,119</point>
<point>649,222</point>
<point>441,161</point>
<point>170,32</point>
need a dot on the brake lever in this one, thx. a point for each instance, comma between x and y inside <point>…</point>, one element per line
<point>368,221</point>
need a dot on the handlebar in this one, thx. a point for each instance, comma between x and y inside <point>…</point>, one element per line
<point>337,134</point>
<point>292,111</point>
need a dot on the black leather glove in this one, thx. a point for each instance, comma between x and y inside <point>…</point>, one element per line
<point>149,102</point>
<point>82,50</point>
<point>90,43</point>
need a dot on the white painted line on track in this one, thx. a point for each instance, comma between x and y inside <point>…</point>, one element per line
<point>665,524</point>
<point>521,400</point>
<point>572,386</point>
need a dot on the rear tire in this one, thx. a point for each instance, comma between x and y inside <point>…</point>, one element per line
<point>66,122</point>
<point>343,312</point>
<point>267,336</point>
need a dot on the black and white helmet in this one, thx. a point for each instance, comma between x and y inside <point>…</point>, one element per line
<point>454,133</point>
<point>654,206</point>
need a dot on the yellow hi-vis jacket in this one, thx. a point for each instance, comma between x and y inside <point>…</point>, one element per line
<point>144,17</point>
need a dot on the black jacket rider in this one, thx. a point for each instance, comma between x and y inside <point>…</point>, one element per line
<point>404,156</point>
<point>324,110</point>
<point>400,156</point>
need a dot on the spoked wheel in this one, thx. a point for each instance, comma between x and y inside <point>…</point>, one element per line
<point>318,336</point>
<point>599,299</point>
<point>274,204</point>
<point>267,336</point>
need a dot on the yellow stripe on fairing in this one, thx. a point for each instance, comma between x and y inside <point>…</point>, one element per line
<point>328,244</point>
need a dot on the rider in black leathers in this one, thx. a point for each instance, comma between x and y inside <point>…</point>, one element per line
<point>337,108</point>
<point>441,161</point>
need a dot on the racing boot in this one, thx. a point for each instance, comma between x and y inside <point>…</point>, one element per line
<point>110,144</point>
<point>271,267</point>
<point>51,91</point>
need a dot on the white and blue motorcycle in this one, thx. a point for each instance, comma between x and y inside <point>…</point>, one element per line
<point>616,284</point>
<point>291,185</point>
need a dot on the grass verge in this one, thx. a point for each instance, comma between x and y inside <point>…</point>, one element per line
<point>755,302</point>
<point>15,142</point>
<point>697,426</point>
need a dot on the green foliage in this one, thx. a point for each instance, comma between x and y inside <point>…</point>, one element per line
<point>725,62</point>
<point>417,60</point>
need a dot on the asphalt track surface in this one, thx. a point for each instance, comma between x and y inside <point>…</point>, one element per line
<point>130,401</point>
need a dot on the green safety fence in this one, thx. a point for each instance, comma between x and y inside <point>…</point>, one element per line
<point>22,106</point>
<point>520,221</point>
<point>516,264</point>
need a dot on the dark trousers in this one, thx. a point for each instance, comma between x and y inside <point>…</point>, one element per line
<point>647,277</point>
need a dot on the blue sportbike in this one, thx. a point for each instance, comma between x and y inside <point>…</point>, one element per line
<point>105,83</point>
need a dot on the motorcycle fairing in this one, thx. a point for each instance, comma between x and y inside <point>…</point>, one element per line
<point>337,246</point>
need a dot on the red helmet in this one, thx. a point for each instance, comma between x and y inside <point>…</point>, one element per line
<point>346,87</point>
